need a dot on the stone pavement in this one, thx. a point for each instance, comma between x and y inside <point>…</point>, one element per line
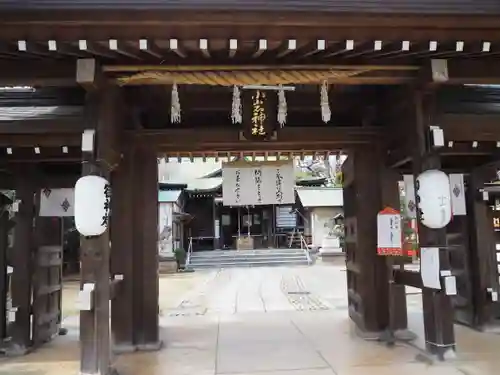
<point>265,321</point>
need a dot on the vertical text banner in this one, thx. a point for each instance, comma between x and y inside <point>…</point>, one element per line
<point>389,232</point>
<point>258,183</point>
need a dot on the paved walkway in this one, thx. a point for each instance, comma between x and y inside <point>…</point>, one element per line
<point>265,321</point>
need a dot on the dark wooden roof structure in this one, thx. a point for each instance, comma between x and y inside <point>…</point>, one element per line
<point>371,46</point>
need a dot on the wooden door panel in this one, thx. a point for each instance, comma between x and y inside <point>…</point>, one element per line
<point>47,294</point>
<point>47,280</point>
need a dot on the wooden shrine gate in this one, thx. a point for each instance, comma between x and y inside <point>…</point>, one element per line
<point>116,63</point>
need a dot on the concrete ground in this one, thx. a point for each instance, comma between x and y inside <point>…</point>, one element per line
<point>264,321</point>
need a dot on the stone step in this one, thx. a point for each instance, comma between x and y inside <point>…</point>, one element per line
<point>266,263</point>
<point>246,259</point>
<point>245,255</point>
<point>212,253</point>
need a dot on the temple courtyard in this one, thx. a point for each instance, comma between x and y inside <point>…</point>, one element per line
<point>264,321</point>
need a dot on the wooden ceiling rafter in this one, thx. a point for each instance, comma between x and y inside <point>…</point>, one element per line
<point>94,49</point>
<point>150,48</point>
<point>173,45</point>
<point>121,48</point>
<point>38,154</point>
<point>260,50</point>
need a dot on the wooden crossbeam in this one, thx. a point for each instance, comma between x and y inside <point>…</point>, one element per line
<point>37,73</point>
<point>470,127</point>
<point>40,140</point>
<point>247,25</point>
<point>228,140</point>
<point>53,126</point>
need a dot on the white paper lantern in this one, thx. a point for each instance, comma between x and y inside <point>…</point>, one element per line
<point>434,198</point>
<point>92,199</point>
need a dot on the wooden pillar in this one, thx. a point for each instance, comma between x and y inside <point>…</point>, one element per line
<point>95,251</point>
<point>389,180</point>
<point>437,306</point>
<point>22,262</point>
<point>367,273</point>
<point>134,234</point>
<point>122,262</point>
<point>145,252</point>
<point>4,243</point>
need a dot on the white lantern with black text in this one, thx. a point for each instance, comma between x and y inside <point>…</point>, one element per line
<point>434,198</point>
<point>92,199</point>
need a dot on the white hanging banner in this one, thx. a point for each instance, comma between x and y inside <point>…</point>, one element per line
<point>457,188</point>
<point>430,267</point>
<point>258,183</point>
<point>389,235</point>
<point>57,202</point>
<point>410,201</point>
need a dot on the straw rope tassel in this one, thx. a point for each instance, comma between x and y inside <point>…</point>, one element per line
<point>326,114</point>
<point>236,106</point>
<point>282,107</point>
<point>175,109</point>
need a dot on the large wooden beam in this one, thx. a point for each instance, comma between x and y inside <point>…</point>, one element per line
<point>226,139</point>
<point>248,25</point>
<point>51,181</point>
<point>40,140</point>
<point>52,126</point>
<point>470,127</point>
<point>467,71</point>
<point>36,73</point>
